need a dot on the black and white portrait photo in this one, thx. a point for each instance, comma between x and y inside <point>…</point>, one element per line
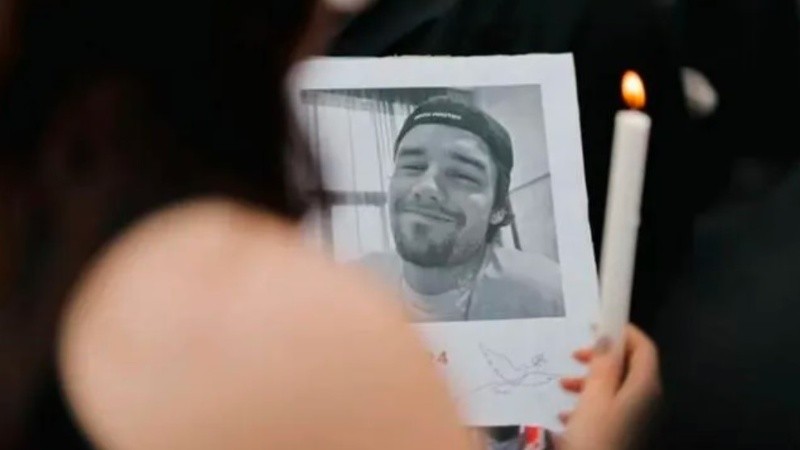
<point>445,193</point>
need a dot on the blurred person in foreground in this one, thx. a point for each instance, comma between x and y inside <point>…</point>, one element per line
<point>153,281</point>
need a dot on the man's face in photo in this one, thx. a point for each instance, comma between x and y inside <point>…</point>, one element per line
<point>441,195</point>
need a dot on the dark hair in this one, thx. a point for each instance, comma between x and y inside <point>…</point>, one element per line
<point>112,109</point>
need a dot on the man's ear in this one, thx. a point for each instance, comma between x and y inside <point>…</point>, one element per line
<point>502,215</point>
<point>498,217</point>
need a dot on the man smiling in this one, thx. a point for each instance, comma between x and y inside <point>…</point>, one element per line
<point>448,198</point>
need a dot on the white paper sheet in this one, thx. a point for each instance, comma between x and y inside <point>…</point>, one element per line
<point>502,371</point>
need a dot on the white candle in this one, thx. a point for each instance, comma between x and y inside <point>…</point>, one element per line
<point>626,183</point>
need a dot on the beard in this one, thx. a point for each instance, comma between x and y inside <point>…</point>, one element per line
<point>416,245</point>
<point>426,242</point>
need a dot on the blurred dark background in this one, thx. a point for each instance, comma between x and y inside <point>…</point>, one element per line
<point>718,277</point>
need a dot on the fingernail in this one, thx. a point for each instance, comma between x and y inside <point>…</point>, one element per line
<point>583,355</point>
<point>572,385</point>
<point>603,345</point>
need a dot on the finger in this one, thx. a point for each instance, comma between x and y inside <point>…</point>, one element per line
<point>605,370</point>
<point>583,355</point>
<point>564,417</point>
<point>574,385</point>
<point>642,377</point>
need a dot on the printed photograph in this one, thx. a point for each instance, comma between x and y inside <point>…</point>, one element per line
<point>445,193</point>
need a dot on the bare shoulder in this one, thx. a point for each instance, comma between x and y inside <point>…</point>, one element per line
<point>210,254</point>
<point>211,325</point>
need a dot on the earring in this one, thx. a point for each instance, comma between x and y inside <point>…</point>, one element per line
<point>498,217</point>
<point>347,6</point>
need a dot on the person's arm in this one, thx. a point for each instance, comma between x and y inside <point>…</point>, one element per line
<point>211,326</point>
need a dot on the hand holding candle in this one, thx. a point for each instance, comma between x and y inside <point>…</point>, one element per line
<point>626,184</point>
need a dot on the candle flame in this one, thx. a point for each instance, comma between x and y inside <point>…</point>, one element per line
<point>633,90</point>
